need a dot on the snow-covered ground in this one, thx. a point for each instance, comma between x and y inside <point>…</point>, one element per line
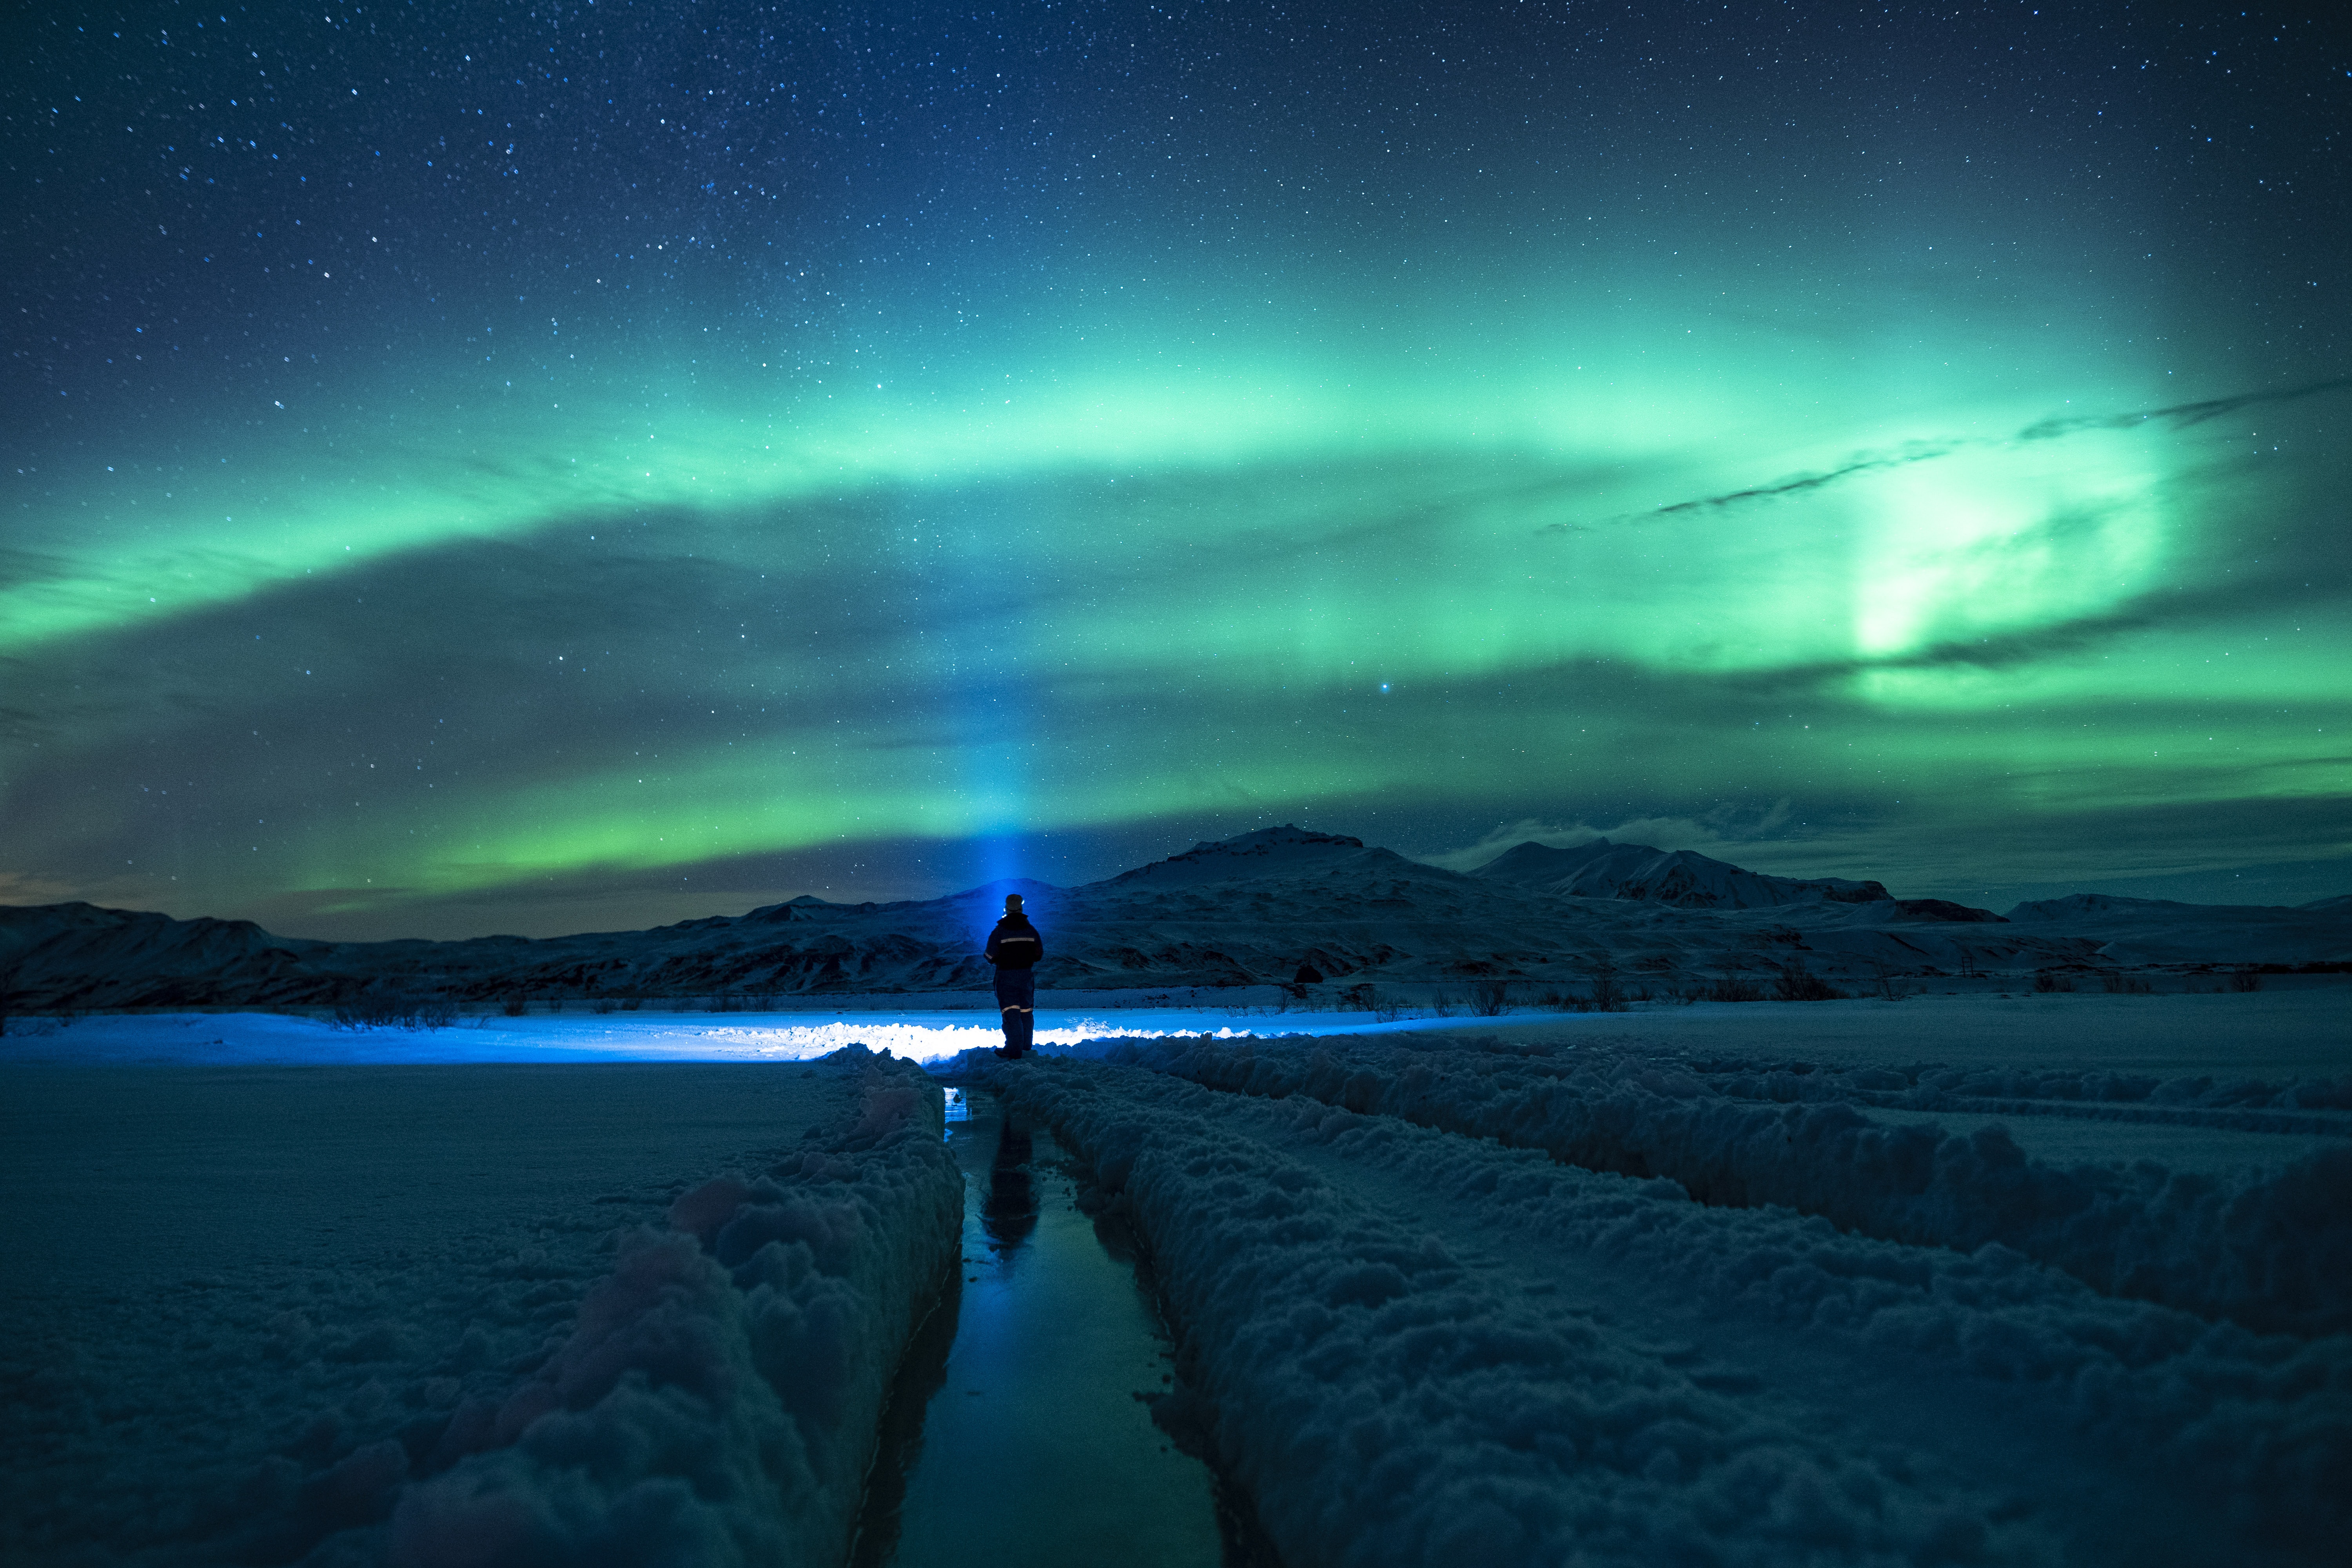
<point>441,1314</point>
<point>2060,1278</point>
<point>1415,1346</point>
<point>277,1289</point>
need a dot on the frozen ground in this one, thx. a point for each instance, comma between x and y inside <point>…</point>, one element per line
<point>2044,1278</point>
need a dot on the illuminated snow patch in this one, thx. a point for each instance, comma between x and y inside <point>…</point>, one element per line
<point>926,1042</point>
<point>928,1037</point>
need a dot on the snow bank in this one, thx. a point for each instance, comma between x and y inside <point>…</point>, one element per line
<point>2271,1249</point>
<point>717,1400</point>
<point>1383,1404</point>
<point>2245,1104</point>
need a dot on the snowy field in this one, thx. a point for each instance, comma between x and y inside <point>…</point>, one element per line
<point>442,1314</point>
<point>2035,1279</point>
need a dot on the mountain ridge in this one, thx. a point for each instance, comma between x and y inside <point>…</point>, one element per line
<point>1685,876</point>
<point>1256,908</point>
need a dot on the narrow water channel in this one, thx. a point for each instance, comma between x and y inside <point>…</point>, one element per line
<point>1019,1431</point>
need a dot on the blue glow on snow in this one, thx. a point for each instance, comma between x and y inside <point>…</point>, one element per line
<point>229,1039</point>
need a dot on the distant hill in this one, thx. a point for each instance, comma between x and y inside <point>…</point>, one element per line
<point>2074,906</point>
<point>1252,910</point>
<point>1605,870</point>
<point>1269,852</point>
<point>1690,880</point>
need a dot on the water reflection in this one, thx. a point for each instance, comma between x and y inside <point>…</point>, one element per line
<point>1018,1431</point>
<point>1010,1212</point>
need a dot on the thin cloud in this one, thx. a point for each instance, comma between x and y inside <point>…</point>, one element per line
<point>21,888</point>
<point>1902,457</point>
<point>2179,416</point>
<point>2024,646</point>
<point>1716,833</point>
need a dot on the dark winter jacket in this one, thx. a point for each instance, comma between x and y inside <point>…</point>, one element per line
<point>1015,944</point>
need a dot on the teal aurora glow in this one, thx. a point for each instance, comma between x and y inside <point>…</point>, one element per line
<point>599,467</point>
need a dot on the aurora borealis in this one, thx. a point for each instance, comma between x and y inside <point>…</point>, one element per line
<point>536,467</point>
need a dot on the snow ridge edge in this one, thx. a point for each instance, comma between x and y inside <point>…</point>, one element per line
<point>2269,1249</point>
<point>716,1402</point>
<point>1383,1407</point>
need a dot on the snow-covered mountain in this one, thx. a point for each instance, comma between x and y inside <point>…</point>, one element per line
<point>1280,851</point>
<point>1605,870</point>
<point>1258,909</point>
<point>2074,906</point>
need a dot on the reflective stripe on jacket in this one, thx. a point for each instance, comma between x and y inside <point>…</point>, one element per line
<point>1015,944</point>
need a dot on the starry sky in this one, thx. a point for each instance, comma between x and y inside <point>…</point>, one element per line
<point>545,467</point>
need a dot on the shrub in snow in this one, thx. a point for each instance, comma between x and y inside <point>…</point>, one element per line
<point>1796,983</point>
<point>1490,998</point>
<point>1607,995</point>
<point>383,1012</point>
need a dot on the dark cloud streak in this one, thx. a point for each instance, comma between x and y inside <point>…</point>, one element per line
<point>2182,415</point>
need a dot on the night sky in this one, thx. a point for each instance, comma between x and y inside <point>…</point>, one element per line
<point>484,467</point>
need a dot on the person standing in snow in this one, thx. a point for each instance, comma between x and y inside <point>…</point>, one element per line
<point>1014,947</point>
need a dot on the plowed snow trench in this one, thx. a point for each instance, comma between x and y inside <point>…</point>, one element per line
<point>1422,1347</point>
<point>1019,1431</point>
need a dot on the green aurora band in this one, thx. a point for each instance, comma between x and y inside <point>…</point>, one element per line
<point>1184,579</point>
<point>1913,555</point>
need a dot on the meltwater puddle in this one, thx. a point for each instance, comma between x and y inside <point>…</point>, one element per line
<point>1015,1435</point>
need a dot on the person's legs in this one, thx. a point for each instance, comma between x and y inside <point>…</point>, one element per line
<point>1016,995</point>
<point>1016,992</point>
